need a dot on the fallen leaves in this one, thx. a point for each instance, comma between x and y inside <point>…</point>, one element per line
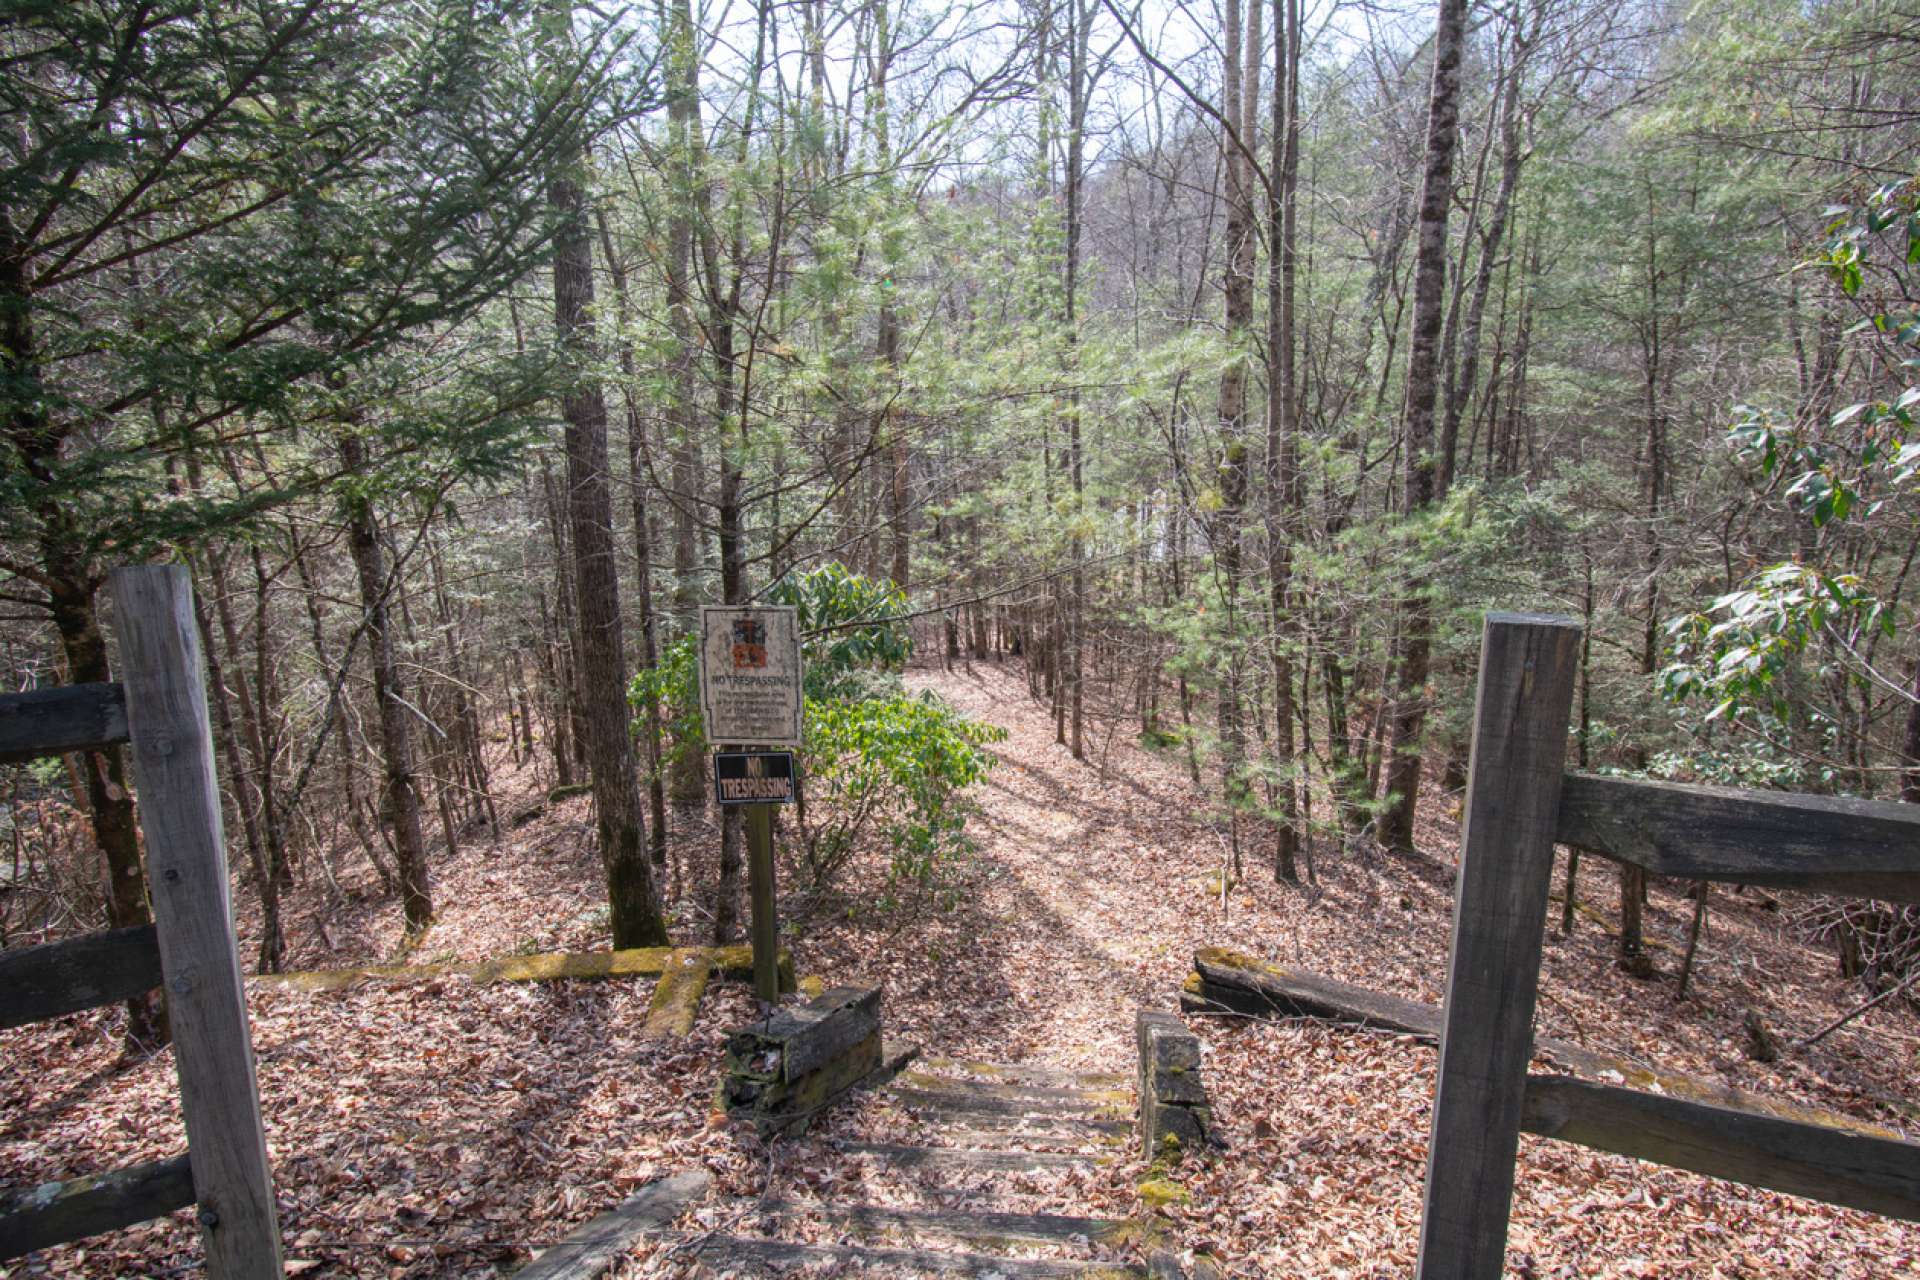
<point>451,1129</point>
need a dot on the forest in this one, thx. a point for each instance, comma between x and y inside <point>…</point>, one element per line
<point>1141,404</point>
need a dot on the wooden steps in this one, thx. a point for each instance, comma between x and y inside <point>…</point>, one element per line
<point>954,1224</point>
<point>1021,1073</point>
<point>985,1124</point>
<point>732,1253</point>
<point>980,1128</point>
<point>988,1160</point>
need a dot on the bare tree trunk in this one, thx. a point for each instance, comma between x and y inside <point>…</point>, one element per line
<point>1233,416</point>
<point>1421,490</point>
<point>634,909</point>
<point>1460,388</point>
<point>688,781</point>
<point>390,695</point>
<point>637,468</point>
<point>71,582</point>
<point>1079,87</point>
<point>1283,470</point>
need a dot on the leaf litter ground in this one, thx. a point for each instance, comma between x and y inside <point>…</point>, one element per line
<point>451,1129</point>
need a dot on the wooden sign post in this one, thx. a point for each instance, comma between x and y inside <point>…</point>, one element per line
<point>750,696</point>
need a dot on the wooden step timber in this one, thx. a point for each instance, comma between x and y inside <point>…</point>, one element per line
<point>676,997</point>
<point>591,1249</point>
<point>728,1252</point>
<point>1826,844</point>
<point>1712,1129</point>
<point>1118,1098</point>
<point>978,1228</point>
<point>985,1159</point>
<point>1039,1127</point>
<point>1027,1073</point>
<point>986,1104</point>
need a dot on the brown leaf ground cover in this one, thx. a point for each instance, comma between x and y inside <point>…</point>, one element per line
<point>449,1129</point>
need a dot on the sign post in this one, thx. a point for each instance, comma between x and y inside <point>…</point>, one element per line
<point>750,696</point>
<point>766,925</point>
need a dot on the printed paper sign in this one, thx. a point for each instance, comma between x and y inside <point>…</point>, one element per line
<point>750,675</point>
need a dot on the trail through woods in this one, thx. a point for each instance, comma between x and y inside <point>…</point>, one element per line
<point>451,1129</point>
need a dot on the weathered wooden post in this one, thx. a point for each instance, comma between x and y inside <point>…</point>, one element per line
<point>1175,1116</point>
<point>760,893</point>
<point>160,662</point>
<point>1527,666</point>
<point>751,696</point>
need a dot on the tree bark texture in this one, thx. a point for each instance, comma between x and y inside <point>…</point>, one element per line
<point>390,694</point>
<point>1429,278</point>
<point>634,912</point>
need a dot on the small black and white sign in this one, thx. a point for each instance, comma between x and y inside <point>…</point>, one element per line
<point>753,777</point>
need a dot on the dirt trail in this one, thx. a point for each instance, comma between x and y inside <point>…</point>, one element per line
<point>1097,880</point>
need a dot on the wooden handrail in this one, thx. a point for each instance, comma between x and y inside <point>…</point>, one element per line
<point>68,717</point>
<point>54,1213</point>
<point>58,978</point>
<point>1855,848</point>
<point>1879,1175</point>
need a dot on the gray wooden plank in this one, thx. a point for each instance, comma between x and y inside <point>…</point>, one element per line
<point>912,1157</point>
<point>986,1104</point>
<point>1028,1127</point>
<point>1858,848</point>
<point>187,865</point>
<point>71,717</point>
<point>1527,665</point>
<point>1879,1175</point>
<point>589,1251</point>
<point>734,1251</point>
<point>958,1224</point>
<point>57,1212</point>
<point>1117,1095</point>
<point>58,978</point>
<point>1030,1073</point>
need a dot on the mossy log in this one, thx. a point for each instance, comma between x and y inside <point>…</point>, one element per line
<point>676,997</point>
<point>734,963</point>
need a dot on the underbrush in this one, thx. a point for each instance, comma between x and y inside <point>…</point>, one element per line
<point>876,761</point>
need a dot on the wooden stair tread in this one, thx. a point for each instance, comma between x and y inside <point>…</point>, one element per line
<point>909,1156</point>
<point>938,1101</point>
<point>961,1224</point>
<point>730,1251</point>
<point>591,1249</point>
<point>1036,1095</point>
<point>1037,1127</point>
<point>1026,1073</point>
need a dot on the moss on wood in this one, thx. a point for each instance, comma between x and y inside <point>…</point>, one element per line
<point>734,963</point>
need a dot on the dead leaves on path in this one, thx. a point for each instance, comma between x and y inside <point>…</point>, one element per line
<point>447,1129</point>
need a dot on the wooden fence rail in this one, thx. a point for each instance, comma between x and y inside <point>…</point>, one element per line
<point>75,974</point>
<point>1854,848</point>
<point>71,717</point>
<point>161,709</point>
<point>1520,802</point>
